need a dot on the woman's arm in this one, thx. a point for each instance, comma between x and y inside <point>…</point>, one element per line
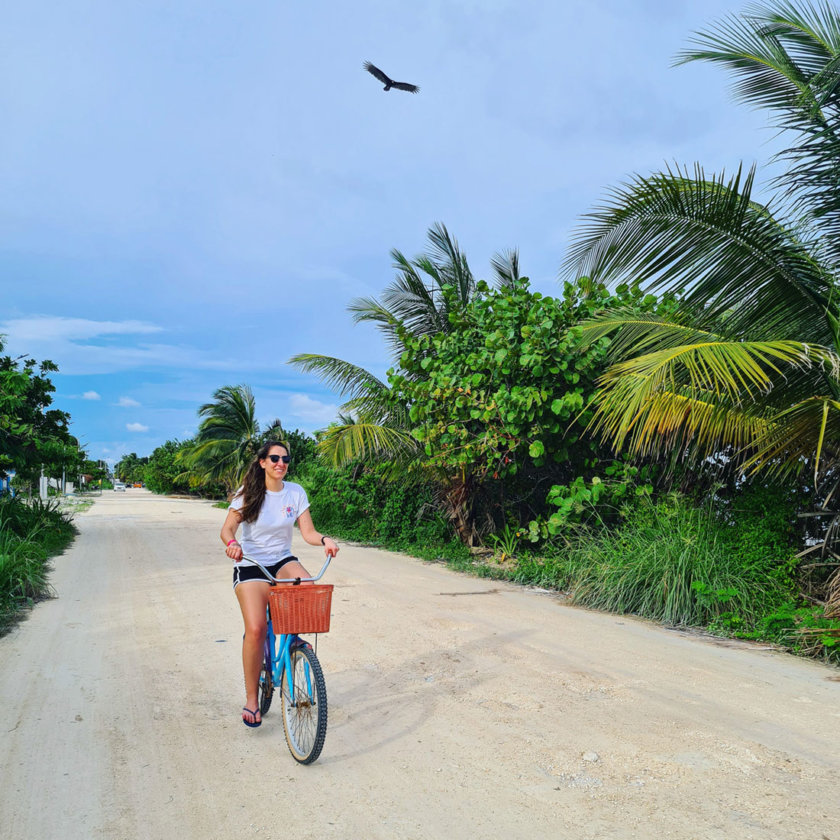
<point>313,537</point>
<point>228,535</point>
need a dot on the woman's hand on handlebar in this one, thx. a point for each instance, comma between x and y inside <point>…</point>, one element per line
<point>234,551</point>
<point>330,547</point>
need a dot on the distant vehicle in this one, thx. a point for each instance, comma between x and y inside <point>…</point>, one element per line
<point>118,485</point>
<point>137,484</point>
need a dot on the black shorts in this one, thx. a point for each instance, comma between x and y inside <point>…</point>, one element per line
<point>242,573</point>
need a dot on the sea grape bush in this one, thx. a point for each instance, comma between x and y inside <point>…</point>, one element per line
<point>503,397</point>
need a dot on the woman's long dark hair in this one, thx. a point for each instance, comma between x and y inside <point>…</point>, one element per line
<point>253,485</point>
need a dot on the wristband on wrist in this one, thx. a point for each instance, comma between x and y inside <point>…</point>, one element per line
<point>323,537</point>
<point>232,541</point>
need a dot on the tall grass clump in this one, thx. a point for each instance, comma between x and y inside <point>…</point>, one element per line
<point>675,563</point>
<point>31,532</point>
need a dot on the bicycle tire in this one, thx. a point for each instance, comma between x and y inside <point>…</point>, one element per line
<point>266,691</point>
<point>305,715</point>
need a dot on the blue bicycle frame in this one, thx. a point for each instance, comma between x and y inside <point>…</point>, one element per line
<point>277,652</point>
<point>278,648</point>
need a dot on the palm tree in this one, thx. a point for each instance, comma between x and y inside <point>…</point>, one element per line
<point>228,437</point>
<point>427,292</point>
<point>750,359</point>
<point>749,363</point>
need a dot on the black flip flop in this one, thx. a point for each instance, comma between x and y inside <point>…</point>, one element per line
<point>253,712</point>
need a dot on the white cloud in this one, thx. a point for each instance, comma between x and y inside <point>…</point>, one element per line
<point>85,347</point>
<point>304,408</point>
<point>127,402</point>
<point>136,427</point>
<point>91,395</point>
<point>49,328</point>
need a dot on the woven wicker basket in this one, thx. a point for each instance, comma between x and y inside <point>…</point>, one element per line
<point>300,609</point>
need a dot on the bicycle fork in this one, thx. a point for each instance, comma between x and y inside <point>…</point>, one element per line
<point>281,660</point>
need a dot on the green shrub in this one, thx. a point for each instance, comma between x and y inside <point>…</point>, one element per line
<point>672,562</point>
<point>30,533</point>
<point>805,630</point>
<point>360,504</point>
<point>23,571</point>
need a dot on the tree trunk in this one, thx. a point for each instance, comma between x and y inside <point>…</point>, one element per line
<point>458,500</point>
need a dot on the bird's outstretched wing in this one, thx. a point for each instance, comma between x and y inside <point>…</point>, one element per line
<point>375,71</point>
<point>405,86</point>
<point>387,81</point>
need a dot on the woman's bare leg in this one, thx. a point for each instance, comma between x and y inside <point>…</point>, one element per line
<point>293,569</point>
<point>253,599</point>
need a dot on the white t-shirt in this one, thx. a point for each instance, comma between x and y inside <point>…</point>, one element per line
<point>268,539</point>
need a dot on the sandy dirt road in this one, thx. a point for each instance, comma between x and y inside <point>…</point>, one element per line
<point>459,708</point>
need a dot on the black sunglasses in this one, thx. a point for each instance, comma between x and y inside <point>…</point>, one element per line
<point>275,458</point>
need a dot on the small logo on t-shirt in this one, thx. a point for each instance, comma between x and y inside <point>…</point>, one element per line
<point>289,511</point>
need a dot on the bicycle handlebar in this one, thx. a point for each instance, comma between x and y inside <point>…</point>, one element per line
<point>294,581</point>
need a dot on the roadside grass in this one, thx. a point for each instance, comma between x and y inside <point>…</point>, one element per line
<point>669,562</point>
<point>680,565</point>
<point>77,504</point>
<point>31,532</point>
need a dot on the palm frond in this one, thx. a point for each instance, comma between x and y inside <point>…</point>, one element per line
<point>346,378</point>
<point>228,436</point>
<point>809,31</point>
<point>451,262</point>
<point>370,309</point>
<point>680,424</point>
<point>506,268</point>
<point>232,413</point>
<point>705,398</point>
<point>414,301</point>
<point>741,371</point>
<point>786,58</point>
<point>707,237</point>
<point>774,53</point>
<point>224,461</point>
<point>273,431</point>
<point>633,332</point>
<point>812,185</point>
<point>342,444</point>
<point>378,409</point>
<point>807,433</point>
<point>756,336</point>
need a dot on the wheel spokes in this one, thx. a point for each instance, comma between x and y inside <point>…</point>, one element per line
<point>301,708</point>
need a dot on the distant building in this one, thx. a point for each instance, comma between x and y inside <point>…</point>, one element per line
<point>6,484</point>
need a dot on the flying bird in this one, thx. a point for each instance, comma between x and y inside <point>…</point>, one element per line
<point>389,83</point>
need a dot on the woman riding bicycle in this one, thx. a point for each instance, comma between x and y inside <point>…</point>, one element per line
<point>267,506</point>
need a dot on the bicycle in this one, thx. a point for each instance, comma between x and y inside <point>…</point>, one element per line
<point>291,663</point>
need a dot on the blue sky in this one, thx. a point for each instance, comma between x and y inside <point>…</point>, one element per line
<point>192,192</point>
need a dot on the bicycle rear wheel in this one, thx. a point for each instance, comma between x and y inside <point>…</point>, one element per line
<point>305,710</point>
<point>266,691</point>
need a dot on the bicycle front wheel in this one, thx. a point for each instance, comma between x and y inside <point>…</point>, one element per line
<point>304,705</point>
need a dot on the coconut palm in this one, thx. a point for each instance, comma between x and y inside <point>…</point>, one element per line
<point>228,437</point>
<point>748,363</point>
<point>424,296</point>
